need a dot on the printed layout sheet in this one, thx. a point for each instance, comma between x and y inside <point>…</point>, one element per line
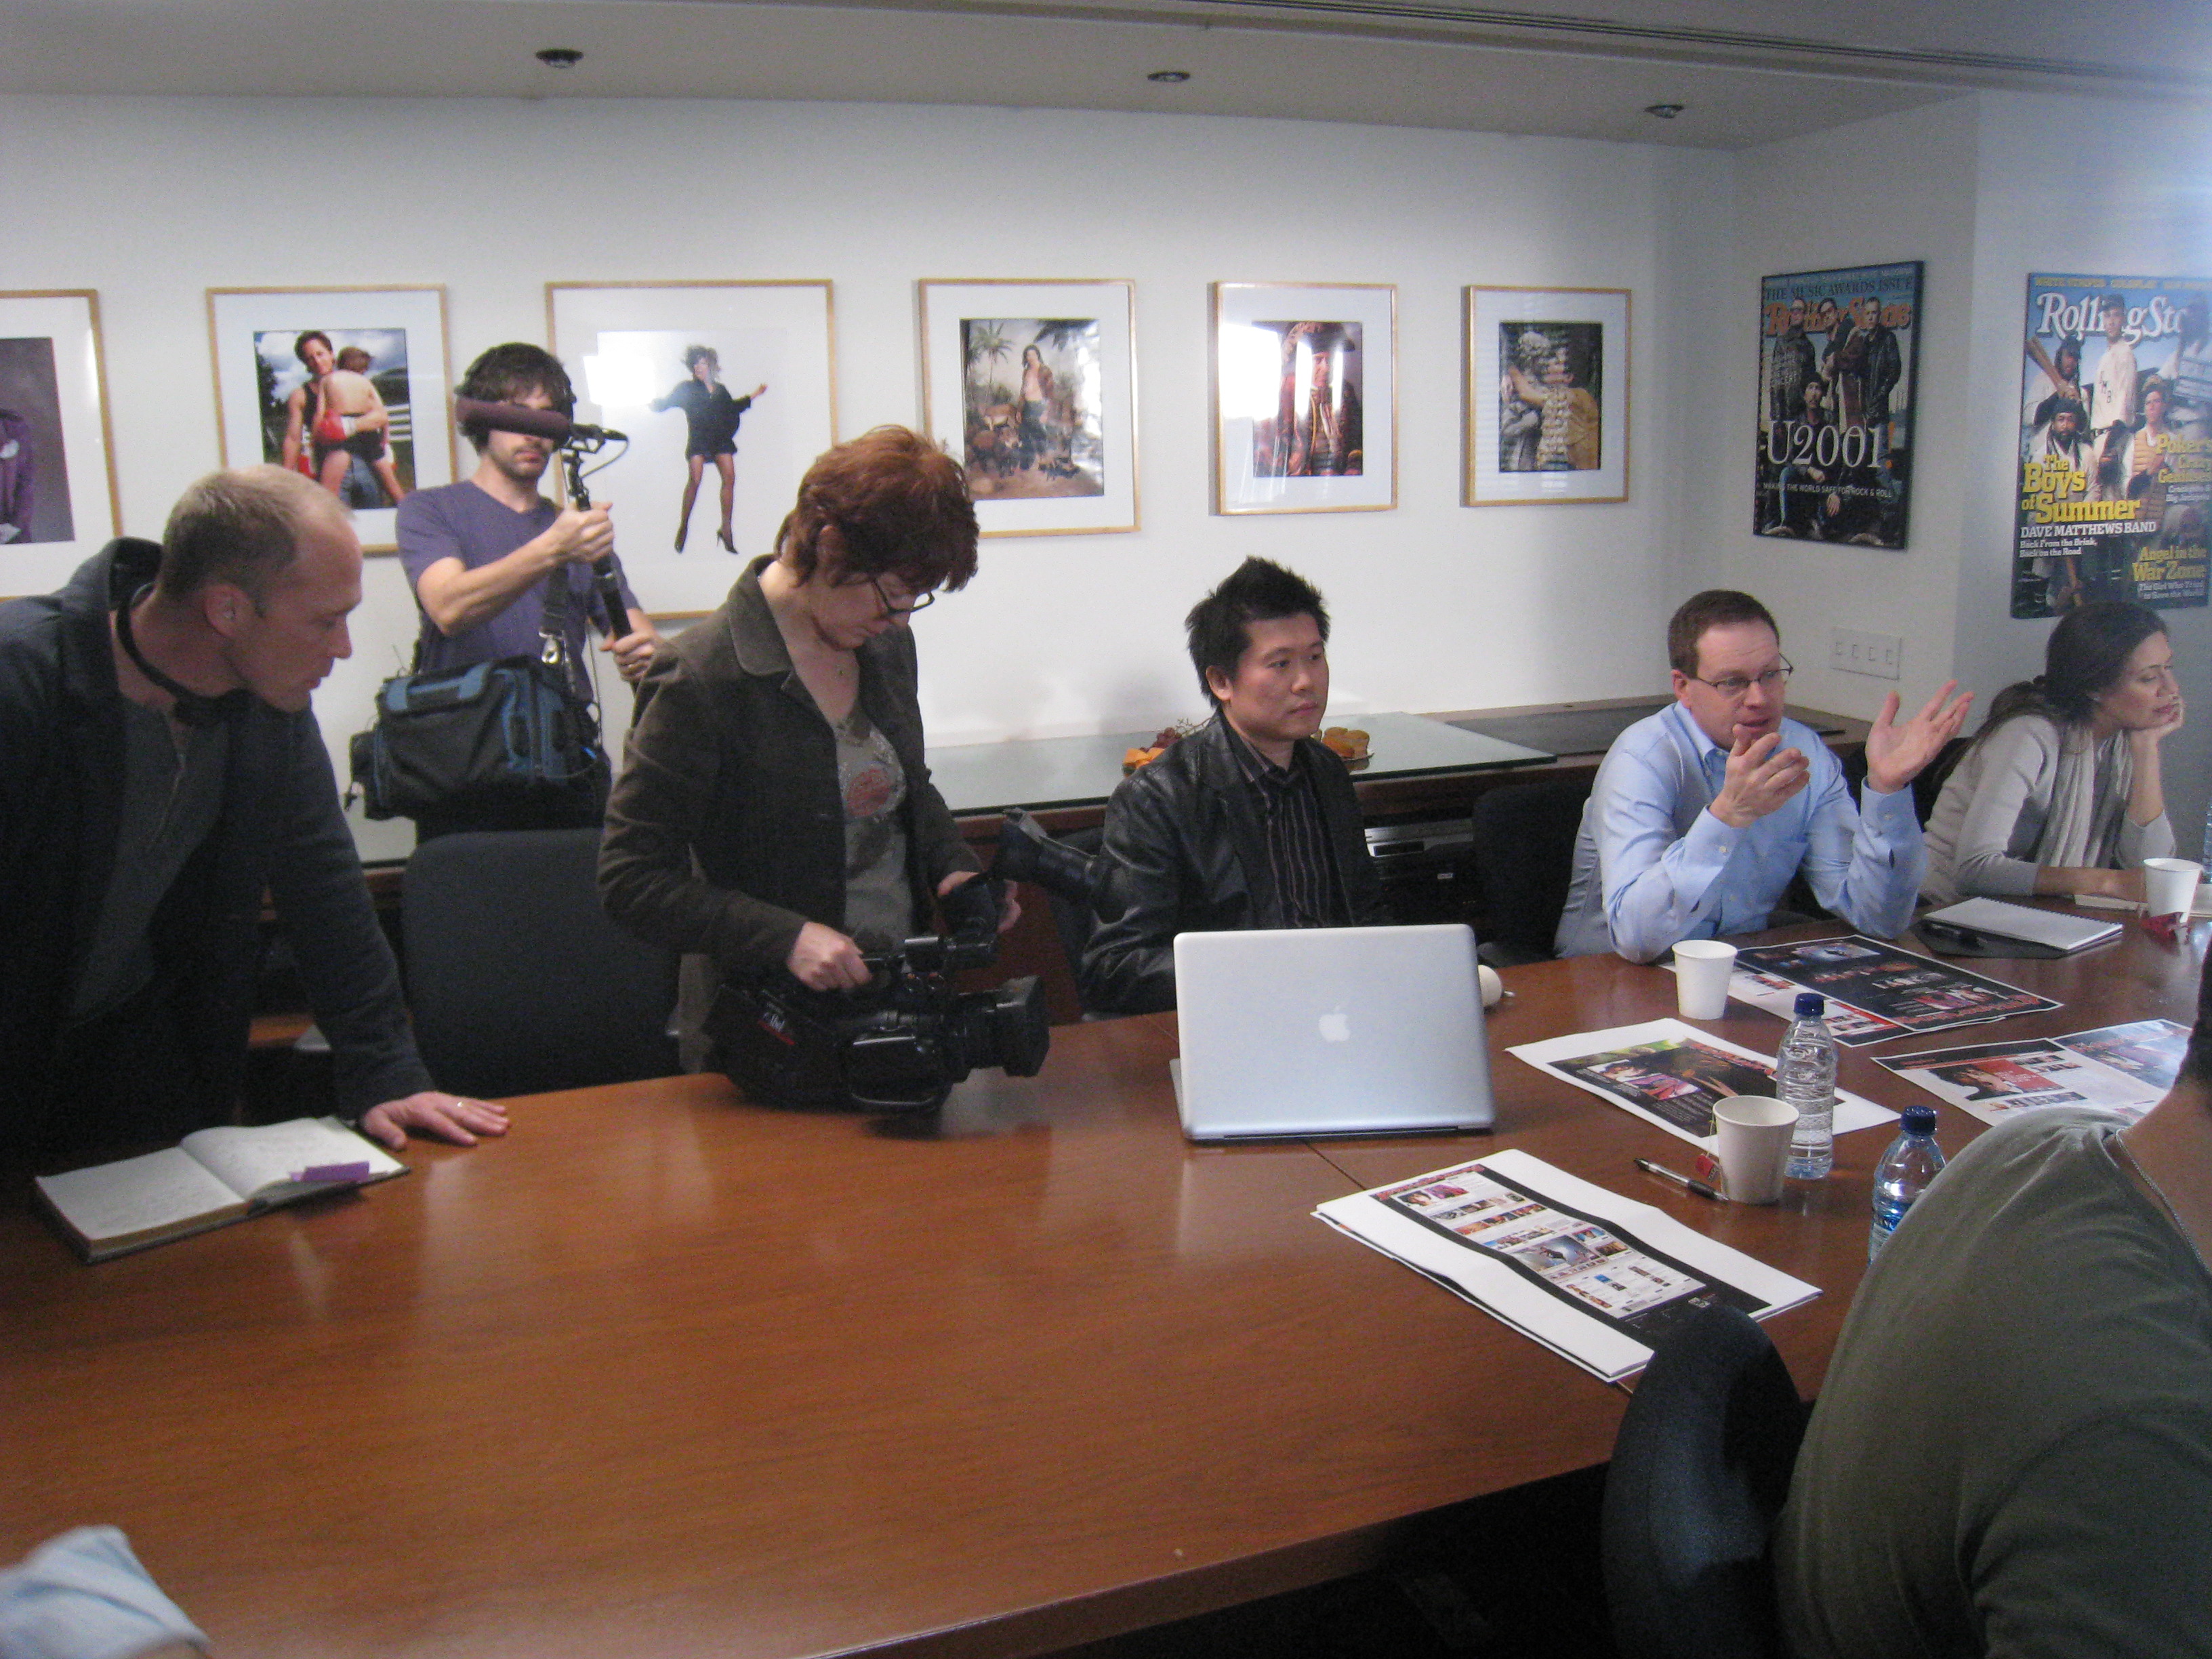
<point>1597,1277</point>
<point>1874,990</point>
<point>2118,1068</point>
<point>1672,1074</point>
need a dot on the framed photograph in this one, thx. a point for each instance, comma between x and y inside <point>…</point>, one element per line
<point>2115,443</point>
<point>1305,397</point>
<point>57,497</point>
<point>1838,365</point>
<point>1546,418</point>
<point>1033,385</point>
<point>349,385</point>
<point>726,392</point>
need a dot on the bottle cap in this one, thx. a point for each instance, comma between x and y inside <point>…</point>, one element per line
<point>1918,1120</point>
<point>1811,1003</point>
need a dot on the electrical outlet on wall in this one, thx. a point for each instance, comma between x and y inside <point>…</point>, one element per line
<point>1881,655</point>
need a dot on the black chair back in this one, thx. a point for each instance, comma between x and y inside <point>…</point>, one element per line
<point>517,981</point>
<point>1699,1471</point>
<point>1927,788</point>
<point>1524,856</point>
<point>1072,919</point>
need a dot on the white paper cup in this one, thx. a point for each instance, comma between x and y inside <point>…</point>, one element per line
<point>2169,886</point>
<point>1753,1133</point>
<point>1702,967</point>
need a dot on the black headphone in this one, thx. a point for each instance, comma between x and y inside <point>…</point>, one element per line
<point>193,708</point>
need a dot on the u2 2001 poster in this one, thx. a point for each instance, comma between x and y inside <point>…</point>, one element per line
<point>1838,365</point>
<point>2115,443</point>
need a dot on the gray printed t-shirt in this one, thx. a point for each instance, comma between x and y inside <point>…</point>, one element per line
<point>878,903</point>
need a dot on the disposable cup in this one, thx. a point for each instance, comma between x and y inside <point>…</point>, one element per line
<point>1702,967</point>
<point>1753,1132</point>
<point>2169,886</point>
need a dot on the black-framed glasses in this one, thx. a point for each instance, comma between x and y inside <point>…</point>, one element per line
<point>920,603</point>
<point>1736,687</point>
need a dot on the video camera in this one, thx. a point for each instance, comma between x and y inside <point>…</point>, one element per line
<point>901,1040</point>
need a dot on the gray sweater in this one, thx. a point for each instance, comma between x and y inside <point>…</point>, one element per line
<point>1987,833</point>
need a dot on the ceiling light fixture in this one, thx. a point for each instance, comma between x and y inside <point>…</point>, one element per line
<point>1665,112</point>
<point>1170,78</point>
<point>560,57</point>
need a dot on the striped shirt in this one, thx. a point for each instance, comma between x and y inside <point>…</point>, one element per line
<point>1307,892</point>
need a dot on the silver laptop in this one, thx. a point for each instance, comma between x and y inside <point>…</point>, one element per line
<point>1330,1031</point>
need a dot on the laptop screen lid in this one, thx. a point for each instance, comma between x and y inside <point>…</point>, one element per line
<point>1330,1030</point>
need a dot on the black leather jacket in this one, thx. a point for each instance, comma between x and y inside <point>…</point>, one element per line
<point>1193,858</point>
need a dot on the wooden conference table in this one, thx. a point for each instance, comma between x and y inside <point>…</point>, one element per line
<point>667,1374</point>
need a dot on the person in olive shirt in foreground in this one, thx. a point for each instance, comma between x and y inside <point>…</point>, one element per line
<point>1250,821</point>
<point>2011,1452</point>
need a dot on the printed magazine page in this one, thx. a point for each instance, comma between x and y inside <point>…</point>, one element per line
<point>1597,1277</point>
<point>1875,991</point>
<point>2115,443</point>
<point>1838,368</point>
<point>1671,1074</point>
<point>2118,1068</point>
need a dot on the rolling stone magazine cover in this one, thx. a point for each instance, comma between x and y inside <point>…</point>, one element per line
<point>2115,443</point>
<point>1839,359</point>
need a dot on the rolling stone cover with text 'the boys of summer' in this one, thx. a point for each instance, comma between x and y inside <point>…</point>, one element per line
<point>2115,443</point>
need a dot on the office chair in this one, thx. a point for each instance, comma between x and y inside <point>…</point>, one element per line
<point>1700,1471</point>
<point>1072,919</point>
<point>1524,856</point>
<point>517,981</point>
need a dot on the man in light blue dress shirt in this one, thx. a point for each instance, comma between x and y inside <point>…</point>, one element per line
<point>1702,814</point>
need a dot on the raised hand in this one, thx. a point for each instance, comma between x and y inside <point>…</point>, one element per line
<point>1896,754</point>
<point>1761,776</point>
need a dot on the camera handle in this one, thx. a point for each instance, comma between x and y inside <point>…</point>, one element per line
<point>606,576</point>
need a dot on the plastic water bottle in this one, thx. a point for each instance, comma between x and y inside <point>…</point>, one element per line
<point>1805,1076</point>
<point>1904,1173</point>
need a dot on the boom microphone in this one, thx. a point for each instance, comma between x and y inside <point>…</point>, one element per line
<point>549,424</point>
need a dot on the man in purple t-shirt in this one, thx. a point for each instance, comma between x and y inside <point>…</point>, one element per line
<point>480,553</point>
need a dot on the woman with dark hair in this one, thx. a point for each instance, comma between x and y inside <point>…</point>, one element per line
<point>714,416</point>
<point>774,814</point>
<point>2061,791</point>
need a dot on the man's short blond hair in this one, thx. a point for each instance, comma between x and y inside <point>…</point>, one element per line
<point>241,525</point>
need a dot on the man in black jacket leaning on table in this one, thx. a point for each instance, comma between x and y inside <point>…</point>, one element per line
<point>1248,821</point>
<point>159,769</point>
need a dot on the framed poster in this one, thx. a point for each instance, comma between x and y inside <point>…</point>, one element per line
<point>349,385</point>
<point>1033,386</point>
<point>1305,397</point>
<point>1547,397</point>
<point>2115,443</point>
<point>727,391</point>
<point>1838,367</point>
<point>58,496</point>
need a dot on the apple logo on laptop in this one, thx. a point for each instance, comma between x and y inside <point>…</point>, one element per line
<point>1335,1026</point>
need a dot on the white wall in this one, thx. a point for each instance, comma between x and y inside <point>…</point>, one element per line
<point>1985,190</point>
<point>2074,185</point>
<point>1437,606</point>
<point>1880,191</point>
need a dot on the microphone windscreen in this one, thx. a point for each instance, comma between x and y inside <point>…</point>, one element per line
<point>548,423</point>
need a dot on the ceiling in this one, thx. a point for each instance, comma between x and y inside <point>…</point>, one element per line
<point>1746,71</point>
